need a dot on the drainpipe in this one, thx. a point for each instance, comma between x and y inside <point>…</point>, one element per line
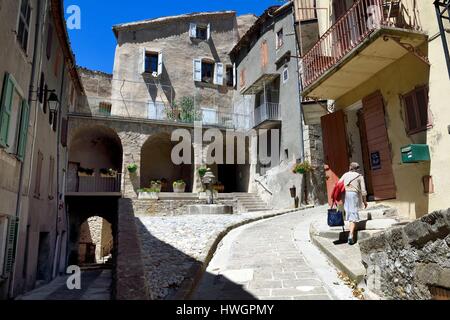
<point>21,171</point>
<point>300,88</point>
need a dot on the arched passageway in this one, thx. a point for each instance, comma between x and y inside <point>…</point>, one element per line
<point>156,164</point>
<point>95,244</point>
<point>95,160</point>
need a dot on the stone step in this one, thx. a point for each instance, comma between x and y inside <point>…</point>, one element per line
<point>255,210</point>
<point>378,212</point>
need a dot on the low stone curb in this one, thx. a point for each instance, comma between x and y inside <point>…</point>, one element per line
<point>196,272</point>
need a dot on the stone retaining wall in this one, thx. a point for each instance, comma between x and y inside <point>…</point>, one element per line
<point>172,207</point>
<point>409,261</point>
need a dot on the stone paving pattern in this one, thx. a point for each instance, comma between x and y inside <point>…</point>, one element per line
<point>264,262</point>
<point>172,247</point>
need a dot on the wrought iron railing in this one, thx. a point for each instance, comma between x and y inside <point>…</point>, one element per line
<point>95,183</point>
<point>350,30</point>
<point>266,111</point>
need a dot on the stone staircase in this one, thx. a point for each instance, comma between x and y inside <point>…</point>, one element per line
<point>250,202</point>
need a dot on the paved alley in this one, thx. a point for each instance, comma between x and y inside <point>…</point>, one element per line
<point>95,285</point>
<point>272,259</point>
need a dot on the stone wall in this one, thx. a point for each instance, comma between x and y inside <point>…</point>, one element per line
<point>172,207</point>
<point>406,262</point>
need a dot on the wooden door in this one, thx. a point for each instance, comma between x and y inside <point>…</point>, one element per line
<point>365,154</point>
<point>336,159</point>
<point>379,149</point>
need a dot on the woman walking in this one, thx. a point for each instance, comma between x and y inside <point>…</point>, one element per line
<point>355,197</point>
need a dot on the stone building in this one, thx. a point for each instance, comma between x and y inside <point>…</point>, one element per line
<point>39,83</point>
<point>268,86</point>
<point>382,66</point>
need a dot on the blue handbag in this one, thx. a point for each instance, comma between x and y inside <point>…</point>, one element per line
<point>335,218</point>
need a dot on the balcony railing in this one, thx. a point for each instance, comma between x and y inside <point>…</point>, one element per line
<point>162,112</point>
<point>95,184</point>
<point>268,111</point>
<point>350,30</point>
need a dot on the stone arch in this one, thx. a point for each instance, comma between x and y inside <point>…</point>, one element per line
<point>94,147</point>
<point>156,163</point>
<point>95,243</point>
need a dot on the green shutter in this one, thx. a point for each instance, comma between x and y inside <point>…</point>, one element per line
<point>5,109</point>
<point>23,133</point>
<point>10,251</point>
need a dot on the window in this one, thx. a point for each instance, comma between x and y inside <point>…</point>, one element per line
<point>24,24</point>
<point>49,41</point>
<point>242,78</point>
<point>14,118</point>
<point>152,63</point>
<point>207,71</point>
<point>417,114</point>
<point>37,181</point>
<point>51,170</point>
<point>200,31</point>
<point>280,39</point>
<point>64,129</point>
<point>285,74</point>
<point>3,233</point>
<point>230,76</point>
<point>264,54</point>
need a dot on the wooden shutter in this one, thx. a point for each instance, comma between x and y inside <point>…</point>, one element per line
<point>192,30</point>
<point>37,182</point>
<point>264,54</point>
<point>142,64</point>
<point>64,129</point>
<point>49,41</point>
<point>23,130</point>
<point>6,109</point>
<point>10,245</point>
<point>417,113</point>
<point>218,77</point>
<point>208,32</point>
<point>160,63</point>
<point>197,65</point>
<point>379,149</point>
<point>335,148</point>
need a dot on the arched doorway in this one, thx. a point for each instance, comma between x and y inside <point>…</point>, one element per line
<point>95,161</point>
<point>95,243</point>
<point>156,164</point>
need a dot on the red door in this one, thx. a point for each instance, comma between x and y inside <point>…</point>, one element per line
<point>383,183</point>
<point>335,148</point>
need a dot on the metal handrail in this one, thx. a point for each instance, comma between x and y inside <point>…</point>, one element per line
<point>266,111</point>
<point>363,18</point>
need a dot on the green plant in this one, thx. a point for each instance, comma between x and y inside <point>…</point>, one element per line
<point>152,190</point>
<point>202,171</point>
<point>179,183</point>
<point>187,110</point>
<point>302,167</point>
<point>132,167</point>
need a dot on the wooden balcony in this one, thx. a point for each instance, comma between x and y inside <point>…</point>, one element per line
<point>371,35</point>
<point>95,185</point>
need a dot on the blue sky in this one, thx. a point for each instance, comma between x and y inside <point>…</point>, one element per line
<point>95,43</point>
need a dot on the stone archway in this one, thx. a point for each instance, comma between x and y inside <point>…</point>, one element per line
<point>156,164</point>
<point>95,244</point>
<point>95,160</point>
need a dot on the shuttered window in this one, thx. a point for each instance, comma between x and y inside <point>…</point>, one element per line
<point>64,129</point>
<point>37,181</point>
<point>264,54</point>
<point>24,24</point>
<point>14,118</point>
<point>10,245</point>
<point>49,41</point>
<point>417,113</point>
<point>219,74</point>
<point>51,184</point>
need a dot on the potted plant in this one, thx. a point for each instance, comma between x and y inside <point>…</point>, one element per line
<point>202,171</point>
<point>156,185</point>
<point>148,194</point>
<point>179,186</point>
<point>108,172</point>
<point>302,168</point>
<point>85,172</point>
<point>132,168</point>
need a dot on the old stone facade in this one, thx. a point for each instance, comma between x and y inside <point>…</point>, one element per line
<point>39,84</point>
<point>410,262</point>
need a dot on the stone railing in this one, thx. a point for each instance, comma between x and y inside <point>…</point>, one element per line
<point>411,261</point>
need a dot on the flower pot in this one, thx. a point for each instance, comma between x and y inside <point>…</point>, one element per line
<point>179,188</point>
<point>132,169</point>
<point>156,186</point>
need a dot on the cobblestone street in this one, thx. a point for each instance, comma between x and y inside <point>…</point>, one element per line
<point>272,259</point>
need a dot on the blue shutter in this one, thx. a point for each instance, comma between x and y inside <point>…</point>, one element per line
<point>23,131</point>
<point>5,109</point>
